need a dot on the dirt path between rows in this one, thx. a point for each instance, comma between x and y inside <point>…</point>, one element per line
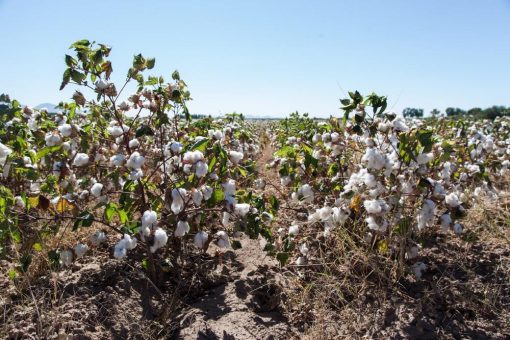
<point>247,306</point>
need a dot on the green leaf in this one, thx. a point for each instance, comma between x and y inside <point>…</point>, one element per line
<point>176,75</point>
<point>201,145</point>
<point>37,246</point>
<point>12,274</point>
<point>236,244</point>
<point>283,258</point>
<point>47,150</point>
<point>144,130</point>
<point>150,63</point>
<point>109,211</point>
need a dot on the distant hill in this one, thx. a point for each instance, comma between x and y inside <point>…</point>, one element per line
<point>48,106</point>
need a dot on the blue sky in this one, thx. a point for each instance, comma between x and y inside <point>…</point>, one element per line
<point>272,57</point>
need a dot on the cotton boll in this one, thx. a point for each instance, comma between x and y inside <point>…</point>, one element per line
<point>160,240</point>
<point>301,261</point>
<point>119,252</point>
<point>223,241</point>
<point>303,249</point>
<point>80,249</point>
<point>200,239</point>
<point>136,174</point>
<point>97,238</point>
<point>197,197</point>
<point>117,160</point>
<point>285,180</point>
<point>374,159</point>
<point>229,187</point>
<point>178,196</point>
<point>95,190</point>
<point>18,200</point>
<point>149,218</point>
<point>134,143</point>
<point>260,183</point>
<point>225,219</point>
<point>452,200</point>
<point>426,213</point>
<point>235,156</point>
<point>81,159</point>
<point>65,130</point>
<point>207,191</point>
<point>374,225</point>
<point>52,139</point>
<point>293,230</point>
<point>201,169</point>
<point>424,158</point>
<point>446,221</point>
<point>135,161</point>
<point>182,228</point>
<point>191,157</point>
<point>241,209</point>
<point>458,228</point>
<point>176,147</point>
<point>101,85</point>
<point>66,257</point>
<point>418,269</point>
<point>412,252</point>
<point>115,131</point>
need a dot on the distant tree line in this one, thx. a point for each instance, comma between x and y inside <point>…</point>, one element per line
<point>476,112</point>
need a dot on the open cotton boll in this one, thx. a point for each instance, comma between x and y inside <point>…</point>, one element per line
<point>191,157</point>
<point>178,200</point>
<point>236,156</point>
<point>201,169</point>
<point>293,229</point>
<point>412,252</point>
<point>149,218</point>
<point>134,143</point>
<point>399,124</point>
<point>101,85</point>
<point>301,261</point>
<point>197,196</point>
<point>376,206</point>
<point>446,221</point>
<point>4,152</point>
<point>52,139</point>
<point>135,161</point>
<point>207,191</point>
<point>374,159</point>
<point>200,239</point>
<point>457,228</point>
<point>96,189</point>
<point>136,174</point>
<point>241,209</point>
<point>18,200</point>
<point>303,249</point>
<point>81,159</point>
<point>97,238</point>
<point>426,214</point>
<point>115,131</point>
<point>175,147</point>
<point>80,249</point>
<point>374,225</point>
<point>225,219</point>
<point>424,158</point>
<point>418,269</point>
<point>217,134</point>
<point>119,252</point>
<point>160,239</point>
<point>182,228</point>
<point>117,160</point>
<point>66,257</point>
<point>65,130</point>
<point>452,200</point>
<point>285,180</point>
<point>229,187</point>
<point>223,241</point>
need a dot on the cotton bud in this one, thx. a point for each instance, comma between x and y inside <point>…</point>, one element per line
<point>200,239</point>
<point>80,249</point>
<point>182,228</point>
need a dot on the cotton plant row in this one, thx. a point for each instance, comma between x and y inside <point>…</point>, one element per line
<point>137,165</point>
<point>390,179</point>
